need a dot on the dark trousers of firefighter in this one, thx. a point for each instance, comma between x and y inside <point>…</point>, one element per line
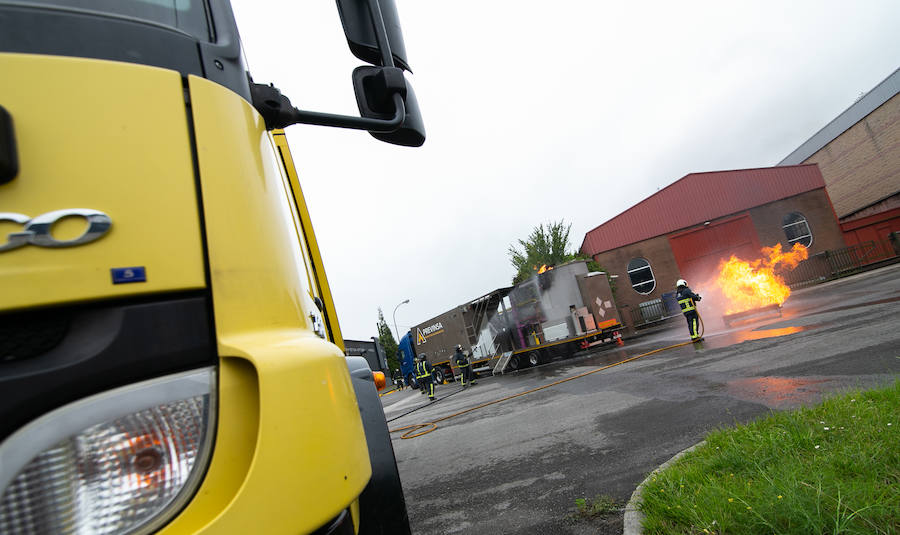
<point>466,378</point>
<point>428,386</point>
<point>693,321</point>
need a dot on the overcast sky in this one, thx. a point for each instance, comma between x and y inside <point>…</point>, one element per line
<point>540,111</point>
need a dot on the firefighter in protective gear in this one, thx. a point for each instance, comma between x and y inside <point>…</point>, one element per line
<point>465,369</point>
<point>417,365</point>
<point>687,301</point>
<point>423,376</point>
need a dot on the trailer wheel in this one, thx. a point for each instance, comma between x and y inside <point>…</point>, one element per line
<point>534,358</point>
<point>513,363</point>
<point>439,376</point>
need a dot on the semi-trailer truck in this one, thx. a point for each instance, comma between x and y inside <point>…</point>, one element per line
<point>550,315</point>
<point>170,354</point>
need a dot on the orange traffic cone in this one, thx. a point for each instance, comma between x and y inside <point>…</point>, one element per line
<point>618,338</point>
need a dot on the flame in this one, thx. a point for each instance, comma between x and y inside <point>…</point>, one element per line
<point>543,268</point>
<point>749,285</point>
<point>790,259</point>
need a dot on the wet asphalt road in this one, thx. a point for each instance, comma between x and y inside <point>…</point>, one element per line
<point>518,466</point>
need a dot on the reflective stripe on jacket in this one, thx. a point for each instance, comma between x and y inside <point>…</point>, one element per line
<point>687,304</point>
<point>686,299</point>
<point>422,370</point>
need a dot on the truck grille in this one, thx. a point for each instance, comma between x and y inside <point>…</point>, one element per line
<point>23,336</point>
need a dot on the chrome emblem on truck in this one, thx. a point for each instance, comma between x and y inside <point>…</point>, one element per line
<point>37,230</point>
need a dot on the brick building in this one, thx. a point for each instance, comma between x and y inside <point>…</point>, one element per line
<point>859,156</point>
<point>685,229</point>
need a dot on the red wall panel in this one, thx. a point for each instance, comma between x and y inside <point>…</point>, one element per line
<point>699,251</point>
<point>873,228</point>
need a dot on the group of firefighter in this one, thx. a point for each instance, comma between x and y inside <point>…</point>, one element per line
<point>687,301</point>
<point>425,377</point>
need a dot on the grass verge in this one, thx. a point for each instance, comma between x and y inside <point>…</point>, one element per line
<point>833,468</point>
<point>600,506</point>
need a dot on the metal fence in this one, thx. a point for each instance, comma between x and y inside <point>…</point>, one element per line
<point>655,310</point>
<point>834,263</point>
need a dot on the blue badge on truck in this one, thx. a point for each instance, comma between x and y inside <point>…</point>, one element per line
<point>129,274</point>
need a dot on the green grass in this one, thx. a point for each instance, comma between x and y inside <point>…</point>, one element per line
<point>601,505</point>
<point>833,468</point>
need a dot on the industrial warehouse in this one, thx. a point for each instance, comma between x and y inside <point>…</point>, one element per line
<point>838,195</point>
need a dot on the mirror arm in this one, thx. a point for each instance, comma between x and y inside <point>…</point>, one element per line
<point>277,112</point>
<point>387,58</point>
<point>355,123</point>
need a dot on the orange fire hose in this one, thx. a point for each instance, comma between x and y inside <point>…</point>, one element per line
<point>431,426</point>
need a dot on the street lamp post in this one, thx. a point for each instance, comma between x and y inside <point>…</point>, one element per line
<point>397,331</point>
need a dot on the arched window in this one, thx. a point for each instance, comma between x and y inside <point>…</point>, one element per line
<point>641,276</point>
<point>797,229</point>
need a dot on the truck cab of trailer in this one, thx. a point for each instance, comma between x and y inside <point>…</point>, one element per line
<point>406,355</point>
<point>170,355</point>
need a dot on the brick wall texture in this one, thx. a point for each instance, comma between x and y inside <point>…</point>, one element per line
<point>662,263</point>
<point>862,166</point>
<point>815,206</point>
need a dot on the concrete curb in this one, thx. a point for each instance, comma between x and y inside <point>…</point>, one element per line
<point>633,515</point>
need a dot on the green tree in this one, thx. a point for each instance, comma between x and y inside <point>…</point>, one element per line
<point>386,337</point>
<point>548,246</point>
<point>545,246</point>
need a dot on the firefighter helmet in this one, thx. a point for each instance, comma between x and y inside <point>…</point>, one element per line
<point>680,283</point>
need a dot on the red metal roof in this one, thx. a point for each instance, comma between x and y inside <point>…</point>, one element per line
<point>700,197</point>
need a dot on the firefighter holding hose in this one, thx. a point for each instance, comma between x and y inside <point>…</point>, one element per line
<point>687,300</point>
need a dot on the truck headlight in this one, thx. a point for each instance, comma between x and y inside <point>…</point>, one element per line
<point>123,461</point>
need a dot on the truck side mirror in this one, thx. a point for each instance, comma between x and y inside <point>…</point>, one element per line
<point>375,88</point>
<point>387,103</point>
<point>359,28</point>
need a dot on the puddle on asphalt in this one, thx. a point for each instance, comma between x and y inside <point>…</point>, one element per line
<point>559,368</point>
<point>762,332</point>
<point>756,317</point>
<point>608,357</point>
<point>777,392</point>
<point>729,338</point>
<point>712,341</point>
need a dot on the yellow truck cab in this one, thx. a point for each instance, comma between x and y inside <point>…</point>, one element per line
<point>170,354</point>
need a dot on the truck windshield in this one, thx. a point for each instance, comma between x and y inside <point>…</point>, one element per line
<point>188,16</point>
